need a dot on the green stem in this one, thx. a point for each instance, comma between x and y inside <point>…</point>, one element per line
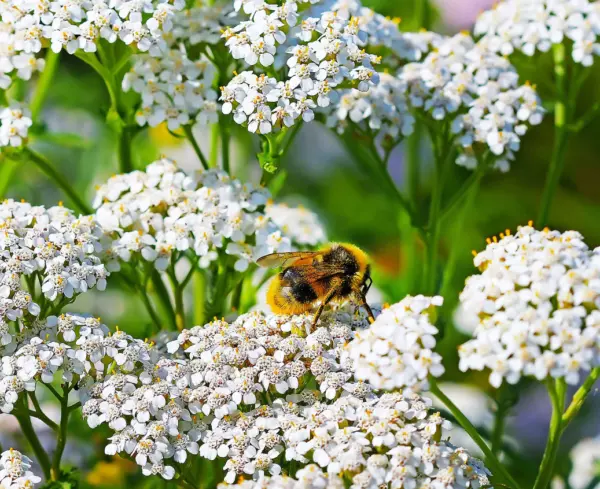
<point>38,413</point>
<point>43,84</point>
<point>498,433</point>
<point>107,76</point>
<point>179,305</point>
<point>62,434</point>
<point>7,170</point>
<point>125,154</point>
<point>225,138</point>
<point>43,164</point>
<point>492,461</point>
<point>561,135</point>
<point>189,134</point>
<point>163,296</point>
<point>27,428</point>
<point>579,397</point>
<point>148,304</point>
<point>413,163</point>
<point>199,294</point>
<point>557,393</point>
<point>213,156</point>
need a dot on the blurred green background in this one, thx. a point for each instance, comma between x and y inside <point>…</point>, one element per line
<point>323,176</point>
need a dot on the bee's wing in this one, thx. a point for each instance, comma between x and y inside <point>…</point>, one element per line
<point>281,259</point>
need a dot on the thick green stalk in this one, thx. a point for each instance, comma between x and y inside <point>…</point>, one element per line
<point>561,135</point>
<point>213,156</point>
<point>7,170</point>
<point>43,164</point>
<point>62,435</point>
<point>163,296</point>
<point>179,305</point>
<point>199,294</point>
<point>189,134</point>
<point>498,433</point>
<point>492,461</point>
<point>579,397</point>
<point>27,428</point>
<point>225,138</point>
<point>125,154</point>
<point>43,84</point>
<point>557,393</point>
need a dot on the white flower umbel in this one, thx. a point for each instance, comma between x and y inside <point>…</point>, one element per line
<point>383,109</point>
<point>535,25</point>
<point>320,52</point>
<point>585,457</point>
<point>301,225</point>
<point>537,303</point>
<point>49,247</point>
<point>15,471</point>
<point>164,211</point>
<point>396,352</point>
<point>173,89</point>
<point>14,63</point>
<point>478,94</point>
<point>78,26</point>
<point>15,122</point>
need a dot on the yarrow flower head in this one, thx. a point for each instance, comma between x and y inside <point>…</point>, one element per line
<point>585,457</point>
<point>478,94</point>
<point>396,352</point>
<point>51,246</point>
<point>535,25</point>
<point>15,122</point>
<point>80,25</point>
<point>15,471</point>
<point>14,63</point>
<point>536,302</point>
<point>300,224</point>
<point>162,211</point>
<point>324,51</point>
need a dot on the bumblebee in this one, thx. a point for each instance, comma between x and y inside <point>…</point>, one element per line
<point>337,272</point>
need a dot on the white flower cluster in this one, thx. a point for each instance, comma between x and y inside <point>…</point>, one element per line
<point>75,349</point>
<point>478,92</point>
<point>537,304</point>
<point>585,457</point>
<point>396,352</point>
<point>79,25</point>
<point>327,53</point>
<point>14,471</point>
<point>535,25</point>
<point>301,225</point>
<point>162,210</point>
<point>14,62</point>
<point>49,247</point>
<point>15,122</point>
<point>203,22</point>
<point>173,89</point>
<point>242,391</point>
<point>383,109</point>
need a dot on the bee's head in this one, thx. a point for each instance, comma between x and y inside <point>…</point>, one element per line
<point>367,282</point>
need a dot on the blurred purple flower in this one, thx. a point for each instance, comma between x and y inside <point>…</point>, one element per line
<point>461,14</point>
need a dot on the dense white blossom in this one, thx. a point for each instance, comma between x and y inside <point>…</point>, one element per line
<point>79,25</point>
<point>383,109</point>
<point>162,211</point>
<point>14,62</point>
<point>300,224</point>
<point>202,23</point>
<point>15,122</point>
<point>537,303</point>
<point>48,247</point>
<point>244,392</point>
<point>396,352</point>
<point>173,89</point>
<point>535,25</point>
<point>585,457</point>
<point>323,50</point>
<point>15,471</point>
<point>478,93</point>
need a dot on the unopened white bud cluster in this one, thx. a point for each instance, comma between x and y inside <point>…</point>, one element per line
<point>324,52</point>
<point>80,25</point>
<point>15,471</point>
<point>49,247</point>
<point>535,25</point>
<point>15,122</point>
<point>397,351</point>
<point>300,224</point>
<point>478,92</point>
<point>156,213</point>
<point>537,305</point>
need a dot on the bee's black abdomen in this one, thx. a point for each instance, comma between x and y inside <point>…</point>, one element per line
<point>304,293</point>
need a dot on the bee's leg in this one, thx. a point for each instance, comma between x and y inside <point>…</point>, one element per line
<point>367,308</point>
<point>330,295</point>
